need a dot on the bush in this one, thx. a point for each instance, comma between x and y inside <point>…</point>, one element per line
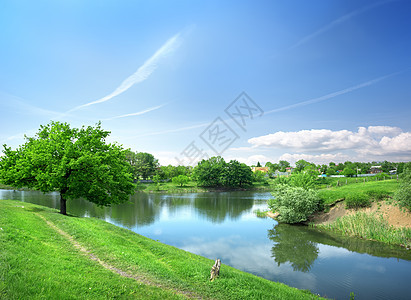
<point>304,180</point>
<point>357,201</point>
<point>180,180</point>
<point>403,194</point>
<point>294,204</point>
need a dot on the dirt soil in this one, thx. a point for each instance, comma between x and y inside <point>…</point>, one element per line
<point>393,214</point>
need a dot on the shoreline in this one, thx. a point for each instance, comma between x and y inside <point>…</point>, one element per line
<point>57,248</point>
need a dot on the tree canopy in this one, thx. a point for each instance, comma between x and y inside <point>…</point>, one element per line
<point>142,164</point>
<point>216,172</point>
<point>76,162</point>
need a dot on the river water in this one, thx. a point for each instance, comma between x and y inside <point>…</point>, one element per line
<point>223,225</point>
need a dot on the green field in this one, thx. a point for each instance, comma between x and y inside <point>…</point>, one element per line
<point>331,195</point>
<point>51,256</point>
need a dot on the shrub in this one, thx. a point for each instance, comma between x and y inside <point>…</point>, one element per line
<point>294,204</point>
<point>356,201</point>
<point>180,180</point>
<point>403,194</point>
<point>304,180</point>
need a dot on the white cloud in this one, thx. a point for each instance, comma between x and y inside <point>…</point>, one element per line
<point>251,160</point>
<point>142,72</point>
<point>136,113</point>
<point>372,140</point>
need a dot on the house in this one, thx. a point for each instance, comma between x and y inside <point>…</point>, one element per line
<point>261,169</point>
<point>375,170</point>
<point>289,169</point>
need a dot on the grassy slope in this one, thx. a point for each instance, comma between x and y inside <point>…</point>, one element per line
<point>38,262</point>
<point>330,195</point>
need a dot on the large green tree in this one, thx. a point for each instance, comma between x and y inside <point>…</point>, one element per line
<point>76,162</point>
<point>237,174</point>
<point>210,172</point>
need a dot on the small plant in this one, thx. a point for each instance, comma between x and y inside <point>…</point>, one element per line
<point>357,201</point>
<point>260,214</point>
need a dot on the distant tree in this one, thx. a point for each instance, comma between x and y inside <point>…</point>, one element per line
<point>237,174</point>
<point>331,171</point>
<point>180,180</point>
<point>348,172</point>
<point>145,164</point>
<point>323,169</point>
<point>258,165</point>
<point>131,158</point>
<point>210,172</point>
<point>301,165</point>
<point>76,162</point>
<point>283,165</point>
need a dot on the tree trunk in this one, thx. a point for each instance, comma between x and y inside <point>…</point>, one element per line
<point>63,210</point>
<point>215,270</point>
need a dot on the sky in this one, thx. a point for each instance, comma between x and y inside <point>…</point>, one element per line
<point>254,81</point>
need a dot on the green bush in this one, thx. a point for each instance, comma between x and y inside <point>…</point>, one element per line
<point>403,194</point>
<point>357,201</point>
<point>305,180</point>
<point>294,204</point>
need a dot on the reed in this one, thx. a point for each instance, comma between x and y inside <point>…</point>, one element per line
<point>371,227</point>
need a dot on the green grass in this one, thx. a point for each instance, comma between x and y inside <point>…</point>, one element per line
<point>371,227</point>
<point>373,189</point>
<point>38,262</point>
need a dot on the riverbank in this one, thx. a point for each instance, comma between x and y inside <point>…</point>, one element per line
<point>191,187</point>
<point>365,210</point>
<point>48,255</point>
<point>382,221</point>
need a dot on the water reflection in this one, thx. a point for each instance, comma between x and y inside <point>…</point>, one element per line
<point>216,207</point>
<point>293,245</point>
<point>299,246</point>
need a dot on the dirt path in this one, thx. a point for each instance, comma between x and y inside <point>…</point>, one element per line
<point>113,269</point>
<point>394,215</point>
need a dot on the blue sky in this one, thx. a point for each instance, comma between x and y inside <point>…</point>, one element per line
<point>323,80</point>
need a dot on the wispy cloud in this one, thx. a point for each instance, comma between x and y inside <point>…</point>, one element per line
<point>332,95</point>
<point>136,113</point>
<point>21,106</point>
<point>339,21</point>
<point>142,72</point>
<point>173,130</point>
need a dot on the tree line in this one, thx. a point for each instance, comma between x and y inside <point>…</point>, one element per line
<point>346,168</point>
<point>79,163</point>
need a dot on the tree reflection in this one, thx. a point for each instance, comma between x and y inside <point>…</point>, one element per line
<point>218,206</point>
<point>292,244</point>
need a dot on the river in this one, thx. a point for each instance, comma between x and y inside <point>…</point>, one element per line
<point>223,225</point>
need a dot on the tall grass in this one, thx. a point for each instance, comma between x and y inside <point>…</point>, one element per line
<point>371,227</point>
